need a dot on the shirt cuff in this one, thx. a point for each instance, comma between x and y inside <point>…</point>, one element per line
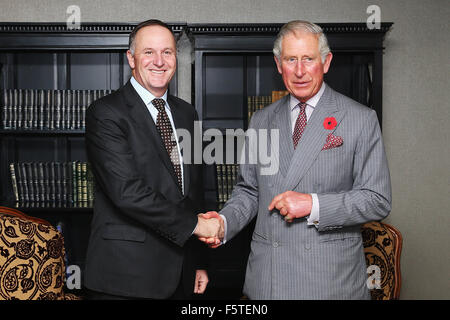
<point>225,229</point>
<point>313,219</point>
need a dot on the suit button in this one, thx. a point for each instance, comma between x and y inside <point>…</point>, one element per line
<point>275,244</point>
<point>307,246</point>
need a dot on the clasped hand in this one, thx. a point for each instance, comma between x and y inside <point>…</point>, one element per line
<point>292,205</point>
<point>210,228</point>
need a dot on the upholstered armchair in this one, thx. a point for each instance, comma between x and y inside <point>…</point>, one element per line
<point>31,258</point>
<point>382,248</point>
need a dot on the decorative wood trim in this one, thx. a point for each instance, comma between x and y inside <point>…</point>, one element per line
<point>196,28</point>
<point>59,27</point>
<point>398,239</point>
<point>274,28</point>
<point>20,214</point>
<point>56,36</point>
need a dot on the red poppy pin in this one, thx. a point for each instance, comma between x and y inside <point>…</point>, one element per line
<point>330,123</point>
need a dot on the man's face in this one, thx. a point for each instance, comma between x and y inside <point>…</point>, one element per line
<point>154,61</point>
<point>301,66</point>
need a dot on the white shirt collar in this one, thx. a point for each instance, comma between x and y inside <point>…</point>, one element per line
<point>146,95</point>
<point>293,102</point>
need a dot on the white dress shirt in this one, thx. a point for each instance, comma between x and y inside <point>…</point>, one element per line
<point>313,218</point>
<point>147,98</point>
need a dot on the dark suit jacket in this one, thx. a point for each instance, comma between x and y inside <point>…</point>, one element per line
<point>140,243</point>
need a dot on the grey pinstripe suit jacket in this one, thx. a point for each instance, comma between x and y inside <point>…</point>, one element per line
<point>295,260</point>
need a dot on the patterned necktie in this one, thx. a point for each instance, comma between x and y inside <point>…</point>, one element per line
<point>165,130</point>
<point>300,124</point>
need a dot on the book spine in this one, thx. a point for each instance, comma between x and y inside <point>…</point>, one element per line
<point>31,112</point>
<point>29,99</point>
<point>69,184</point>
<point>18,171</point>
<point>46,167</point>
<point>36,185</point>
<point>30,181</point>
<point>64,183</point>
<point>57,109</point>
<point>78,123</point>
<point>27,112</point>
<point>26,197</point>
<point>14,110</point>
<point>41,182</point>
<point>4,108</point>
<point>48,102</point>
<point>14,182</point>
<point>83,108</point>
<point>52,183</point>
<point>63,109</point>
<point>58,184</point>
<point>24,112</point>
<point>35,108</point>
<point>10,108</point>
<point>69,108</point>
<point>229,181</point>
<point>41,103</point>
<point>219,183</point>
<point>51,110</point>
<point>21,107</point>
<point>70,98</point>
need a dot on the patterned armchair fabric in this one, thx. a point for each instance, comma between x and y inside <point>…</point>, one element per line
<point>31,258</point>
<point>382,248</point>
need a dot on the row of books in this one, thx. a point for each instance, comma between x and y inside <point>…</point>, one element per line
<point>46,109</point>
<point>52,184</point>
<point>255,103</point>
<point>277,95</point>
<point>226,180</point>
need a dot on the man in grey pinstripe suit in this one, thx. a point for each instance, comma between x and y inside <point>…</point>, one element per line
<point>307,242</point>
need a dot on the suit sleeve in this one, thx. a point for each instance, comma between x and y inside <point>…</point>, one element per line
<point>370,197</point>
<point>114,168</point>
<point>242,206</point>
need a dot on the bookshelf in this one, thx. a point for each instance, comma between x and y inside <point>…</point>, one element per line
<point>235,75</point>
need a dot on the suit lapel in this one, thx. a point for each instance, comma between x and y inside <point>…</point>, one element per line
<point>279,120</point>
<point>313,138</point>
<point>181,122</point>
<point>141,116</point>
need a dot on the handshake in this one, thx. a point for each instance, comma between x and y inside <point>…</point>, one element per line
<point>210,229</point>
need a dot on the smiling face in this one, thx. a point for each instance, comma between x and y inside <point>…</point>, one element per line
<point>300,64</point>
<point>154,61</point>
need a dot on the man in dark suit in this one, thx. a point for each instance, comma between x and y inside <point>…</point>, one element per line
<point>147,196</point>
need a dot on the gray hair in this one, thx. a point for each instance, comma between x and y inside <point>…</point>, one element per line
<point>300,25</point>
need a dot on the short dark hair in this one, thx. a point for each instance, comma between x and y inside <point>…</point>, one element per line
<point>151,22</point>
